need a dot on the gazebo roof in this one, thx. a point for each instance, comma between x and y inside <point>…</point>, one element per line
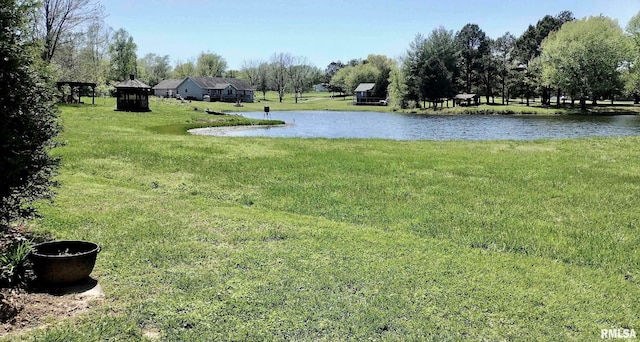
<point>466,96</point>
<point>75,84</point>
<point>132,83</point>
<point>365,87</point>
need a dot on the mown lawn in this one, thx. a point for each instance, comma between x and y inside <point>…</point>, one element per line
<point>215,238</point>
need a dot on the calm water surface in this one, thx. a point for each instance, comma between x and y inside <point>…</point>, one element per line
<point>367,125</point>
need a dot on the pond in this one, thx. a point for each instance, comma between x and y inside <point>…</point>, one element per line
<point>369,125</point>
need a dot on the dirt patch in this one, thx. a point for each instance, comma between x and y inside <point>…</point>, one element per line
<point>24,310</point>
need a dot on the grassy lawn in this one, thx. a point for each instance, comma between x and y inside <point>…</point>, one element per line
<point>215,238</point>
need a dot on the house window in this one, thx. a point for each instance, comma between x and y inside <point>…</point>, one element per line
<point>230,92</point>
<point>186,90</point>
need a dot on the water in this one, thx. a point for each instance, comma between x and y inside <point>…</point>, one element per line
<point>367,125</point>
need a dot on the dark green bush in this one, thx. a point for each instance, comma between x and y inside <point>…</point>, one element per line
<point>28,120</point>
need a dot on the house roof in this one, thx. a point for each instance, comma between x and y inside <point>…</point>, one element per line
<point>466,96</point>
<point>168,84</point>
<point>132,83</point>
<point>365,86</point>
<point>221,83</point>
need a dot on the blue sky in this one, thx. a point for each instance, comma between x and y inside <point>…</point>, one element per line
<point>325,30</point>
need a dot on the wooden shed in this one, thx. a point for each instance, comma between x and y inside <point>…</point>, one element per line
<point>132,96</point>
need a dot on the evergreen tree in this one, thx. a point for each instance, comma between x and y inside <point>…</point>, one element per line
<point>28,119</point>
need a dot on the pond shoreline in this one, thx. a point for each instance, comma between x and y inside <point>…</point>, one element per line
<point>221,131</point>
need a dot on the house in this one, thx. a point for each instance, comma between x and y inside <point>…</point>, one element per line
<point>132,95</point>
<point>320,88</point>
<point>364,94</point>
<point>166,88</point>
<point>216,88</point>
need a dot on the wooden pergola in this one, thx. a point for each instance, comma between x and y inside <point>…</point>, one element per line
<point>73,85</point>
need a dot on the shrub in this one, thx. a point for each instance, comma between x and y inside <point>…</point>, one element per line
<point>29,120</point>
<point>13,264</point>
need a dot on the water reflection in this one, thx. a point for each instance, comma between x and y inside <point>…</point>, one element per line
<point>366,125</point>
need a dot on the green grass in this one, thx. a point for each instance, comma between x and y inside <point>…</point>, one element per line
<point>212,238</point>
<point>309,101</point>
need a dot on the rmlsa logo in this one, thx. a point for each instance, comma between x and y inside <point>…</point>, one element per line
<point>617,333</point>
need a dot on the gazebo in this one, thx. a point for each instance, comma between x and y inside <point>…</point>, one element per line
<point>132,96</point>
<point>73,85</point>
<point>460,99</point>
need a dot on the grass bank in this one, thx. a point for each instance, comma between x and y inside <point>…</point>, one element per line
<point>212,238</point>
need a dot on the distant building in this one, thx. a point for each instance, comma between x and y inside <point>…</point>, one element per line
<point>320,88</point>
<point>466,99</point>
<point>364,95</point>
<point>167,88</point>
<point>132,96</point>
<point>216,88</point>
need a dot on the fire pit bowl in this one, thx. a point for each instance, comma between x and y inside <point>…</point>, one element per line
<point>63,262</point>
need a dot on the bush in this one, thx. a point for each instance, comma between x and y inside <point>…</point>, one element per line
<point>13,268</point>
<point>29,121</point>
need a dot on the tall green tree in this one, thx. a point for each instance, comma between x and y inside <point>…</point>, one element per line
<point>528,48</point>
<point>632,72</point>
<point>503,53</point>
<point>431,66</point>
<point>28,117</point>
<point>210,65</point>
<point>338,81</point>
<point>153,68</point>
<point>361,73</point>
<point>384,65</point>
<point>585,57</point>
<point>488,72</point>
<point>329,71</point>
<point>183,69</point>
<point>398,87</point>
<point>473,46</point>
<point>411,67</point>
<point>123,56</point>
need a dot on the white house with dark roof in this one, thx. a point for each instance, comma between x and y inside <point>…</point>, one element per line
<point>167,88</point>
<point>217,88</point>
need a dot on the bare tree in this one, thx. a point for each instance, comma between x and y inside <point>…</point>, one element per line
<point>250,71</point>
<point>56,19</point>
<point>262,80</point>
<point>299,72</point>
<point>280,64</point>
<point>94,54</point>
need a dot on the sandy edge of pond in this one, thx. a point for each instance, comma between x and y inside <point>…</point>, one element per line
<point>225,130</point>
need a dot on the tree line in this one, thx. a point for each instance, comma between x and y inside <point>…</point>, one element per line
<point>591,58</point>
<point>559,56</point>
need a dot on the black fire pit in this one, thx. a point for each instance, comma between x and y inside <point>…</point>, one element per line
<point>63,262</point>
